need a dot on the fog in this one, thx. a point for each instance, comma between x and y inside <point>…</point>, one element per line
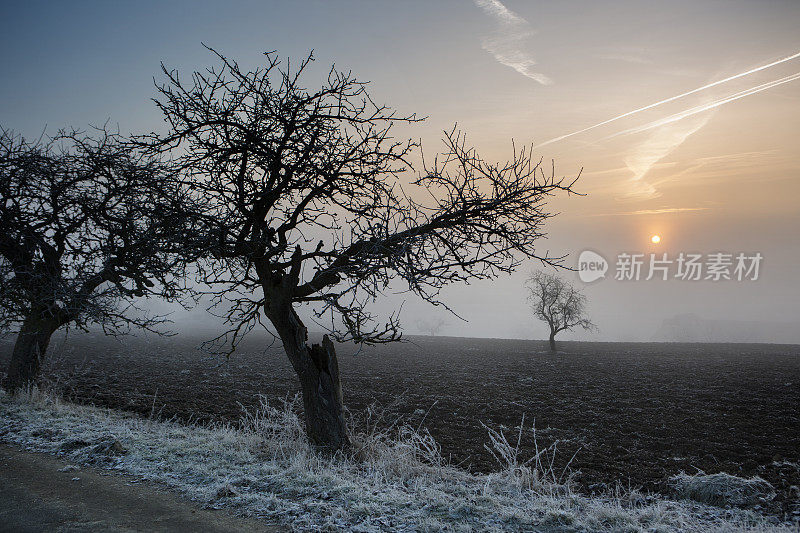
<point>724,180</point>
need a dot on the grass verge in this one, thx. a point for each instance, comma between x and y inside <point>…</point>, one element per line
<point>393,480</point>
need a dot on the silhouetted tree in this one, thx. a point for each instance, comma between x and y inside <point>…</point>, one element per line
<point>87,225</point>
<point>304,204</point>
<point>557,303</point>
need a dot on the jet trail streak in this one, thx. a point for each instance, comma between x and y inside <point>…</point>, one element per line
<point>705,107</point>
<point>673,98</point>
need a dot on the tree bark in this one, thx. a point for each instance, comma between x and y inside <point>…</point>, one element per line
<point>552,341</point>
<point>29,351</point>
<point>317,368</point>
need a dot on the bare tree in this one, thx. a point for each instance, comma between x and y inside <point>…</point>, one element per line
<point>88,226</point>
<point>557,303</point>
<point>304,205</point>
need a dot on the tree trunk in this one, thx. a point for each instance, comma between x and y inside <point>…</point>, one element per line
<point>552,341</point>
<point>29,351</point>
<point>318,371</point>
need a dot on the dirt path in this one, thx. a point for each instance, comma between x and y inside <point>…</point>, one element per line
<point>36,496</point>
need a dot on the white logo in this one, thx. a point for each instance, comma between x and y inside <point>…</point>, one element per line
<point>591,266</point>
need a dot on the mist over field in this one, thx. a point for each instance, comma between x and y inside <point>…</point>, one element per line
<point>465,265</point>
<point>723,179</point>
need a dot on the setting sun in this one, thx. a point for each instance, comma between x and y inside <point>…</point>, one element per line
<point>655,239</point>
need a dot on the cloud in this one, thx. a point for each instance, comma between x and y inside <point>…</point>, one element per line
<point>694,91</point>
<point>729,167</point>
<point>670,132</point>
<point>508,43</point>
<point>654,148</point>
<point>703,171</point>
<point>661,211</point>
<point>626,58</point>
<point>708,106</point>
<point>728,162</point>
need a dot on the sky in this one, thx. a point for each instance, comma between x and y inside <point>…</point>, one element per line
<point>711,171</point>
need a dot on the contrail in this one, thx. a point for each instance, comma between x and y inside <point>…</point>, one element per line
<point>705,107</point>
<point>672,99</point>
<point>508,44</point>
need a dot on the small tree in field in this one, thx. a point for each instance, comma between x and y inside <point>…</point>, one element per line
<point>88,225</point>
<point>304,206</point>
<point>557,303</point>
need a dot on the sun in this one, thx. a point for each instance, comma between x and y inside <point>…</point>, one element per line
<point>655,239</point>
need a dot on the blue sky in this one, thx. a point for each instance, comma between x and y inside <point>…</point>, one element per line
<point>723,179</point>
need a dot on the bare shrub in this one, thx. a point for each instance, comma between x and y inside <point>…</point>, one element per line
<point>536,472</point>
<point>723,489</point>
<point>279,425</point>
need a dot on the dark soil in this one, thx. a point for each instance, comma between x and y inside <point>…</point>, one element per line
<point>632,413</point>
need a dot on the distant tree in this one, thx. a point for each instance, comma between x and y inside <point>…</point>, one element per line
<point>557,303</point>
<point>431,326</point>
<point>304,205</point>
<point>87,226</point>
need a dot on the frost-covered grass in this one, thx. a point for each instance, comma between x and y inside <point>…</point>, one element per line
<point>723,489</point>
<point>393,479</point>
